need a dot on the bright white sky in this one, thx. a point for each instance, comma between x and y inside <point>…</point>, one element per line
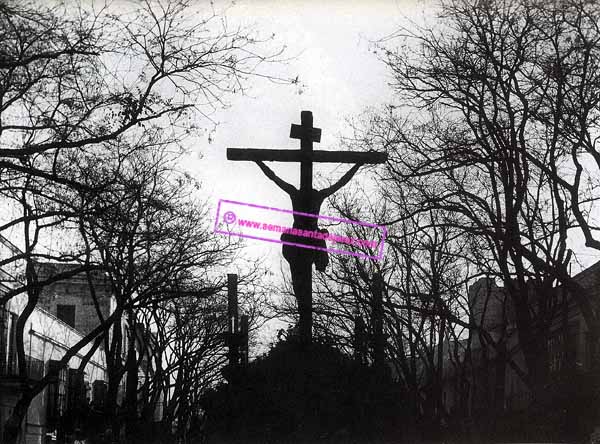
<point>329,43</point>
<point>339,77</point>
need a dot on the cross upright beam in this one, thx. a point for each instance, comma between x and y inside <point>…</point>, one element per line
<point>307,135</point>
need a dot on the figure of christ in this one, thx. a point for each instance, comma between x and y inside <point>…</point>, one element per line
<point>301,259</point>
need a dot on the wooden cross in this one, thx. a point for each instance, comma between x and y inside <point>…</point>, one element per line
<point>305,155</point>
<point>302,271</point>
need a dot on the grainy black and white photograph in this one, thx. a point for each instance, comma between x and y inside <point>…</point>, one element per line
<point>298,222</point>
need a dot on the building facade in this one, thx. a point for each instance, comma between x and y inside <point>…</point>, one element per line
<point>71,300</point>
<point>489,379</point>
<point>47,336</point>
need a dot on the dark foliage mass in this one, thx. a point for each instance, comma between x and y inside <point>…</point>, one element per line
<point>295,394</point>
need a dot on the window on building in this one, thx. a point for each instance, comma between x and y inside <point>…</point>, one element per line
<point>591,352</point>
<point>4,317</point>
<point>12,368</point>
<point>35,368</point>
<point>56,402</point>
<point>556,349</point>
<point>573,358</point>
<point>75,389</point>
<point>99,389</point>
<point>562,349</point>
<point>66,313</point>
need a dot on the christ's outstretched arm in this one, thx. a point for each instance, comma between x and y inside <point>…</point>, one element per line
<point>326,192</point>
<point>288,188</point>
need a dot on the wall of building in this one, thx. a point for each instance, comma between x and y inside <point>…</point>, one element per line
<point>46,338</point>
<point>487,302</point>
<point>75,292</point>
<point>568,334</point>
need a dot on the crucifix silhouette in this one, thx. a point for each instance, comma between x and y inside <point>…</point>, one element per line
<point>305,200</point>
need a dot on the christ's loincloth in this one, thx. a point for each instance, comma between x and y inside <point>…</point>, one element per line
<point>294,254</point>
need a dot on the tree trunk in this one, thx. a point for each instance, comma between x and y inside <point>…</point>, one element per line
<point>12,426</point>
<point>132,383</point>
<point>114,377</point>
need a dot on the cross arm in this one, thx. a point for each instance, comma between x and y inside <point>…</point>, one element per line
<point>288,188</point>
<point>320,156</point>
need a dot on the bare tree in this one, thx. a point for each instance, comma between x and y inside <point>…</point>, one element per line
<point>425,312</point>
<point>83,94</point>
<point>192,349</point>
<point>476,146</point>
<point>152,241</point>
